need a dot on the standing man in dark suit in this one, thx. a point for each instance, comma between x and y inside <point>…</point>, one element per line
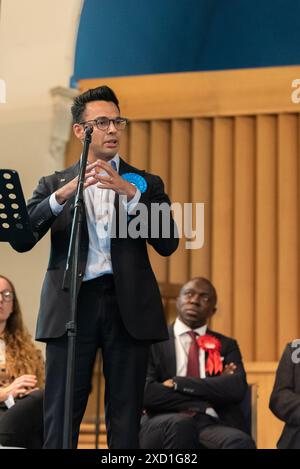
<point>195,381</point>
<point>119,306</point>
<point>285,397</point>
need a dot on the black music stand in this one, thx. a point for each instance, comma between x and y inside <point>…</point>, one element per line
<point>14,220</point>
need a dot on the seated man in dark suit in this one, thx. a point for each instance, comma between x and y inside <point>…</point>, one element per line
<point>285,397</point>
<point>195,381</point>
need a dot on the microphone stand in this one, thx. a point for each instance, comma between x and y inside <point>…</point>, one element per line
<point>71,282</point>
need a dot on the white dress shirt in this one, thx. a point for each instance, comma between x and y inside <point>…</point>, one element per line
<point>182,344</point>
<point>99,206</point>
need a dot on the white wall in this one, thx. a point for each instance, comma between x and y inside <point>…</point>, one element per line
<point>37,45</point>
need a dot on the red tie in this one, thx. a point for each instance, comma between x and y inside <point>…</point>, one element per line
<point>193,357</point>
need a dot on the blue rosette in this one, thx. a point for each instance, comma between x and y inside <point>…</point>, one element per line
<point>137,180</point>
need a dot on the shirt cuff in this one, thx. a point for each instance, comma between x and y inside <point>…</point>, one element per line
<point>56,208</point>
<point>211,412</point>
<point>131,205</point>
<point>9,402</point>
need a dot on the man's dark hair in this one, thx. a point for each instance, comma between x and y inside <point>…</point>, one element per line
<point>102,93</point>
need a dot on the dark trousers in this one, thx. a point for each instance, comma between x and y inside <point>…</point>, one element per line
<point>180,431</point>
<point>99,325</point>
<point>22,424</point>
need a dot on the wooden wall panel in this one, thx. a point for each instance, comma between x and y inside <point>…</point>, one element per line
<point>288,233</point>
<point>124,146</point>
<point>160,140</point>
<point>266,305</point>
<point>269,428</point>
<point>203,94</point>
<point>201,180</point>
<point>139,144</point>
<point>222,222</point>
<point>243,234</point>
<point>180,192</point>
<point>160,150</point>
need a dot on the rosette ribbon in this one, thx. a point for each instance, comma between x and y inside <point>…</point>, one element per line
<point>137,180</point>
<point>212,346</point>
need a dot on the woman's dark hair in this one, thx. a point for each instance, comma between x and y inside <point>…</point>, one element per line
<point>102,93</point>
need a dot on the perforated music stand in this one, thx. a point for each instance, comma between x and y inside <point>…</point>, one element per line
<point>14,220</point>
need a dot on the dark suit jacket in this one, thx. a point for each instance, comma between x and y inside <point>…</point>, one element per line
<point>137,291</point>
<point>222,392</point>
<point>285,397</point>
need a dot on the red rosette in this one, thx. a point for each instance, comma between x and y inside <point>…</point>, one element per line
<point>212,346</point>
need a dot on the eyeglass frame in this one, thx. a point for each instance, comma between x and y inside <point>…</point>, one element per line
<point>2,293</point>
<point>94,122</point>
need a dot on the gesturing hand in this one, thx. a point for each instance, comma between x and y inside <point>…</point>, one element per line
<point>114,181</point>
<point>68,190</point>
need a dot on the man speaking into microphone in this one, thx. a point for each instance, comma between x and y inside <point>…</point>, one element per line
<point>119,307</point>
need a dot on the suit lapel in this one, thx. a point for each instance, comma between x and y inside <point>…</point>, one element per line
<point>68,174</point>
<point>170,352</point>
<point>123,168</point>
<point>63,178</point>
<point>126,168</point>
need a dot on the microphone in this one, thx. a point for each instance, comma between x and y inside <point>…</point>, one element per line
<point>88,129</point>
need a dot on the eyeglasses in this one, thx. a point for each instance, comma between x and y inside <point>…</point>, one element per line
<point>7,295</point>
<point>103,123</point>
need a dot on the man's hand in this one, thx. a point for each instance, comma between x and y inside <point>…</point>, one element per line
<point>229,369</point>
<point>68,190</point>
<point>169,383</point>
<point>114,181</point>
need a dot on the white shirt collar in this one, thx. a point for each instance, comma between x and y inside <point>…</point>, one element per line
<point>116,159</point>
<point>180,328</point>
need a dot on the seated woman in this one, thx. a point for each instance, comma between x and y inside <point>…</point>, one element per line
<point>285,397</point>
<point>21,376</point>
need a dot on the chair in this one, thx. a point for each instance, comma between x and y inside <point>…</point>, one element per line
<point>249,410</point>
<point>248,407</point>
